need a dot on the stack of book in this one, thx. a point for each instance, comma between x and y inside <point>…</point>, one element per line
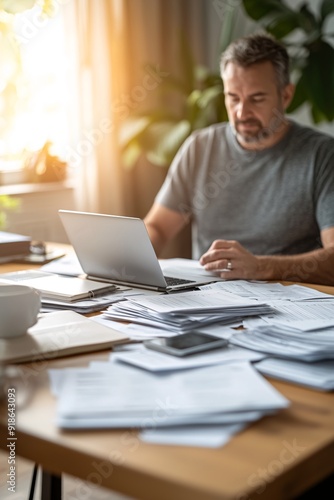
<point>58,334</point>
<point>13,245</point>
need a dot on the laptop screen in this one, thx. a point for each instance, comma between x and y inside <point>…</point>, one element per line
<point>113,248</point>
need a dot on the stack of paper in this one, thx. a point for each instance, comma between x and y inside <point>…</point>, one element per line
<point>303,340</point>
<point>116,395</point>
<point>318,375</point>
<point>304,350</point>
<point>186,311</point>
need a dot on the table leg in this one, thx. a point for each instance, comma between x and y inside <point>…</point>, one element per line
<point>51,486</point>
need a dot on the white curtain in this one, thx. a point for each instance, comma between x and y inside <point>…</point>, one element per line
<point>116,39</point>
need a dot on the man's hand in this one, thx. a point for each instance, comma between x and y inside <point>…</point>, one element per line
<point>232,261</point>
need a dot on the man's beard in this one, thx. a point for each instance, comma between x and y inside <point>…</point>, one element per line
<point>260,133</point>
<point>256,135</point>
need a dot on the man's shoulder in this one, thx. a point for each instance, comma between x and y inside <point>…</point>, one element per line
<point>311,136</point>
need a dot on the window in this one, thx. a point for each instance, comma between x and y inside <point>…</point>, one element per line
<point>35,88</point>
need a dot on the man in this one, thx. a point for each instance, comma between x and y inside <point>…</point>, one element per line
<point>259,190</point>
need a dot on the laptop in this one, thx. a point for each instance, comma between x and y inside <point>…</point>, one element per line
<point>118,249</point>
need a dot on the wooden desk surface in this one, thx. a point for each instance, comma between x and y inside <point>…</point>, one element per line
<point>14,266</point>
<point>275,458</point>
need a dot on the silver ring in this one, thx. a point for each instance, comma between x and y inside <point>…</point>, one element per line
<point>229,265</point>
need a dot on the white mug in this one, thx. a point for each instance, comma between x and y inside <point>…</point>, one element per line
<point>19,308</point>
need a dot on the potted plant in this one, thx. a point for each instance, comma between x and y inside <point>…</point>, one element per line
<point>307,39</point>
<point>157,133</point>
<point>186,103</point>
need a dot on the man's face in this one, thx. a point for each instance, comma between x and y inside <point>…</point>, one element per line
<point>254,103</point>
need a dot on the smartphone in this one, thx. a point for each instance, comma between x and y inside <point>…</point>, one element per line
<point>186,343</point>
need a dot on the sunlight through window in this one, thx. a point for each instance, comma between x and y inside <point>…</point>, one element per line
<point>34,88</point>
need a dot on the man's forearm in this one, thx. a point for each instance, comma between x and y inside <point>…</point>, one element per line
<point>156,238</point>
<point>312,267</point>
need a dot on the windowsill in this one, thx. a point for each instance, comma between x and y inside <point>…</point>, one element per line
<point>11,176</point>
<point>30,188</point>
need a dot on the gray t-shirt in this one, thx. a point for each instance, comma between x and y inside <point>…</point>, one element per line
<point>273,201</point>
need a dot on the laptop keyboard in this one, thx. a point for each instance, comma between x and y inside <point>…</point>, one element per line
<point>176,281</point>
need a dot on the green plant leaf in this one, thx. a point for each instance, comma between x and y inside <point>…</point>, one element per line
<point>208,95</point>
<point>314,57</point>
<point>194,97</point>
<point>319,78</point>
<point>202,73</point>
<point>163,140</point>
<point>205,76</point>
<point>317,115</point>
<point>16,6</point>
<point>300,95</point>
<point>258,9</point>
<point>158,158</point>
<point>282,24</point>
<point>192,107</point>
<point>327,7</point>
<point>170,81</point>
<point>3,220</point>
<point>276,16</point>
<point>9,202</point>
<point>132,128</point>
<point>131,154</point>
<point>229,20</point>
<point>212,80</point>
<point>307,20</point>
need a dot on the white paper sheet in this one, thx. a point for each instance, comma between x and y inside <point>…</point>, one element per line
<point>268,291</point>
<point>212,436</point>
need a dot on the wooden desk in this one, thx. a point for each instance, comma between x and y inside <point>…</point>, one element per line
<point>278,457</point>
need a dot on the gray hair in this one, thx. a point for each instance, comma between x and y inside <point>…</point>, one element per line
<point>258,48</point>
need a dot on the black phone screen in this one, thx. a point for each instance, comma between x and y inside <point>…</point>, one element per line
<point>186,343</point>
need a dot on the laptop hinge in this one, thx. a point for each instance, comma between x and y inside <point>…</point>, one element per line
<point>126,283</point>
